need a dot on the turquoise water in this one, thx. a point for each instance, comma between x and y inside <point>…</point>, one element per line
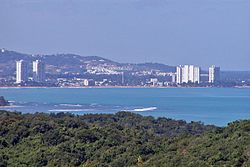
<point>217,106</point>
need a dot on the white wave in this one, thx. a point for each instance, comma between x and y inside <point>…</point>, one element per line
<point>142,109</point>
<point>69,110</point>
<point>11,106</point>
<point>71,105</point>
<point>93,104</point>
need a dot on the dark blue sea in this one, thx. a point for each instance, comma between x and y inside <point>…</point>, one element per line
<point>217,106</point>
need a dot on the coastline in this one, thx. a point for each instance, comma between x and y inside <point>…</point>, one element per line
<point>10,106</point>
<point>103,87</point>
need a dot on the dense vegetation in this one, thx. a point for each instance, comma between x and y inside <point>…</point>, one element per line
<point>123,139</point>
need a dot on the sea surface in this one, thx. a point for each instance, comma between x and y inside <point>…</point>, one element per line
<point>217,106</point>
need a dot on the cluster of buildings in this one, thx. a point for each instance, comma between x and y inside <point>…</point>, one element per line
<point>22,71</point>
<point>192,74</point>
<point>185,74</point>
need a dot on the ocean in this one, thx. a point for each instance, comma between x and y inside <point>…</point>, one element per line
<point>218,106</point>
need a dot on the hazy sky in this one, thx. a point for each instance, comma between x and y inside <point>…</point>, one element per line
<point>201,32</point>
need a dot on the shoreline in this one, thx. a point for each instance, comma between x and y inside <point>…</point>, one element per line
<point>102,87</point>
<point>10,106</point>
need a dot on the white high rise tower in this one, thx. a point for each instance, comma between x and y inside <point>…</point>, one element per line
<point>214,74</point>
<point>179,74</point>
<point>38,71</point>
<point>21,71</point>
<point>196,78</point>
<point>187,73</point>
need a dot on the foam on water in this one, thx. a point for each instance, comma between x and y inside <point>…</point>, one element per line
<point>142,109</point>
<point>71,105</point>
<point>69,110</point>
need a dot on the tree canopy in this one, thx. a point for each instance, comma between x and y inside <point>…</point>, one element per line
<point>121,139</point>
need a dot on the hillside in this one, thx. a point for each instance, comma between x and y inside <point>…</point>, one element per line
<point>119,140</point>
<point>72,63</point>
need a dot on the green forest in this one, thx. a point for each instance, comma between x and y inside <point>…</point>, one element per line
<point>118,140</point>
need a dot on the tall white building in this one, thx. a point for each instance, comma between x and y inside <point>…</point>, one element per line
<point>214,74</point>
<point>21,71</point>
<point>179,74</point>
<point>38,71</point>
<point>196,78</point>
<point>187,73</point>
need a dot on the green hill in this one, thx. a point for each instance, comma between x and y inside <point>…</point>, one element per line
<point>121,139</point>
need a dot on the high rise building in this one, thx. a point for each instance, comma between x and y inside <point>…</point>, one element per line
<point>196,78</point>
<point>179,74</point>
<point>187,73</point>
<point>214,74</point>
<point>191,73</point>
<point>38,71</point>
<point>21,71</point>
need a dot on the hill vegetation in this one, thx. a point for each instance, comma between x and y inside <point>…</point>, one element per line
<point>122,139</point>
<point>71,63</point>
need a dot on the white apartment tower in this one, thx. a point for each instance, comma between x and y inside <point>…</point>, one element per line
<point>38,71</point>
<point>179,74</point>
<point>21,71</point>
<point>214,74</point>
<point>187,73</point>
<point>196,75</point>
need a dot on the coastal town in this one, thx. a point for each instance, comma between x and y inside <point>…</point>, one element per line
<point>37,71</point>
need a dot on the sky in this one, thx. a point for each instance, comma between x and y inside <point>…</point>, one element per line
<point>173,32</point>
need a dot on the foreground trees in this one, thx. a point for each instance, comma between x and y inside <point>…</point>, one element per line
<point>123,139</point>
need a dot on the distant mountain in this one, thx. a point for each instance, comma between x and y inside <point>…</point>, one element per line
<point>155,66</point>
<point>235,75</point>
<point>72,63</point>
